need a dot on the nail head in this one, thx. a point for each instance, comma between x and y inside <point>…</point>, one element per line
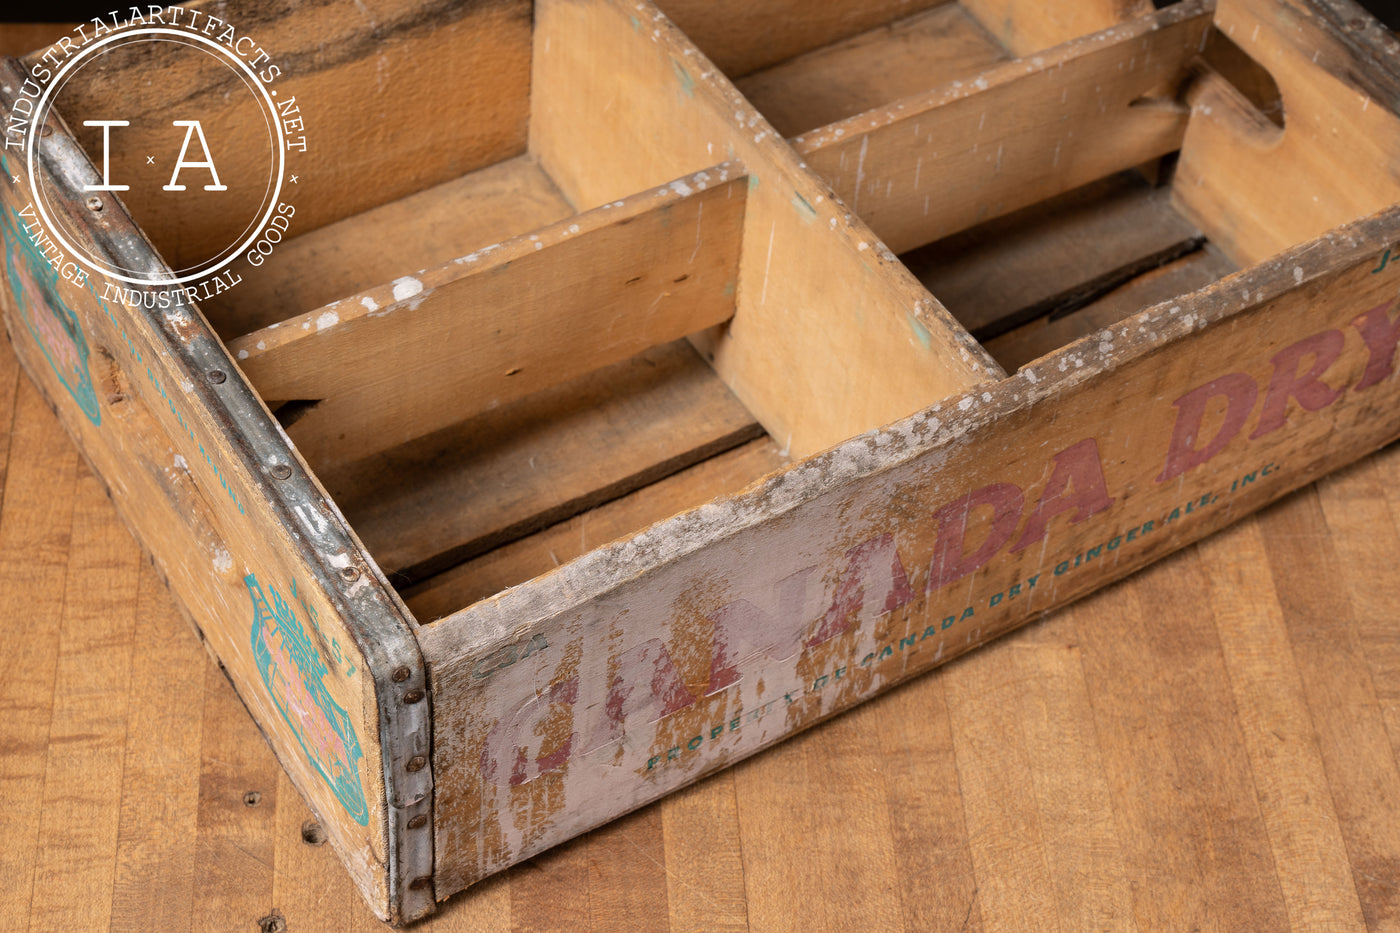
<point>416,763</point>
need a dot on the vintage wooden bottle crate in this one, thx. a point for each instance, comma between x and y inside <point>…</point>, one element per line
<point>865,331</point>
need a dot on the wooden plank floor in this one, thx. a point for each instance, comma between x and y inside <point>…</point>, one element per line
<point>1210,745</point>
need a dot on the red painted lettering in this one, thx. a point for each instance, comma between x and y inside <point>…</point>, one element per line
<point>1076,484</point>
<point>873,583</point>
<point>1381,335</point>
<point>743,629</point>
<point>508,740</point>
<point>1308,388</point>
<point>950,558</point>
<point>1239,392</point>
<point>662,692</point>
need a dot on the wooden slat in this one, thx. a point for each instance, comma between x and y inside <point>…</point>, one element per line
<point>425,352</point>
<point>529,557</point>
<point>929,166</point>
<point>159,832</point>
<point>1294,798</point>
<point>903,58</point>
<point>88,731</point>
<point>415,232</point>
<point>518,468</point>
<point>1256,189</point>
<point>1183,795</point>
<point>1010,270</point>
<point>20,38</point>
<point>1111,432</point>
<point>35,537</point>
<point>1034,339</point>
<point>742,37</point>
<point>1334,673</point>
<point>233,863</point>
<point>775,818</point>
<point>1028,26</point>
<point>402,65</point>
<point>704,860</point>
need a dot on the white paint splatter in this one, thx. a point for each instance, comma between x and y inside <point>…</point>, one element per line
<point>369,303</point>
<point>327,319</point>
<point>223,560</point>
<point>406,287</point>
<point>1298,275</point>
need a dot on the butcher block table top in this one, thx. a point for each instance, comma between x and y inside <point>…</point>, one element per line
<point>1209,745</point>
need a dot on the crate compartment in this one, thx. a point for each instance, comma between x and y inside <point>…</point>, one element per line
<point>1015,187</point>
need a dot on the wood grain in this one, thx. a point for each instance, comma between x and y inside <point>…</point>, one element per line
<point>895,60</point>
<point>928,166</point>
<point>461,492</point>
<point>1107,700</point>
<point>422,353</point>
<point>416,232</point>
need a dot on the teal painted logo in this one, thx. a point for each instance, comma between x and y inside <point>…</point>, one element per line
<point>295,677</point>
<point>33,280</point>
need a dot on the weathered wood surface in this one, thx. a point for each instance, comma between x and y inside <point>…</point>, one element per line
<point>230,522</point>
<point>967,151</point>
<point>1212,743</point>
<point>901,549</point>
<point>426,351</point>
<point>897,60</point>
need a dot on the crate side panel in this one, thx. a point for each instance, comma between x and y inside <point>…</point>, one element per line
<point>401,92</point>
<point>656,661</point>
<point>1254,189</point>
<point>178,478</point>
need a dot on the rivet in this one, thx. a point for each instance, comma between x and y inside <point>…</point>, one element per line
<point>401,674</point>
<point>273,923</point>
<point>416,763</point>
<point>418,822</point>
<point>349,574</point>
<point>94,203</point>
<point>281,471</point>
<point>421,882</point>
<point>216,377</point>
<point>252,798</point>
<point>46,131</point>
<point>414,695</point>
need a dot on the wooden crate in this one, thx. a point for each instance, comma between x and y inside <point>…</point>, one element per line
<point>736,288</point>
